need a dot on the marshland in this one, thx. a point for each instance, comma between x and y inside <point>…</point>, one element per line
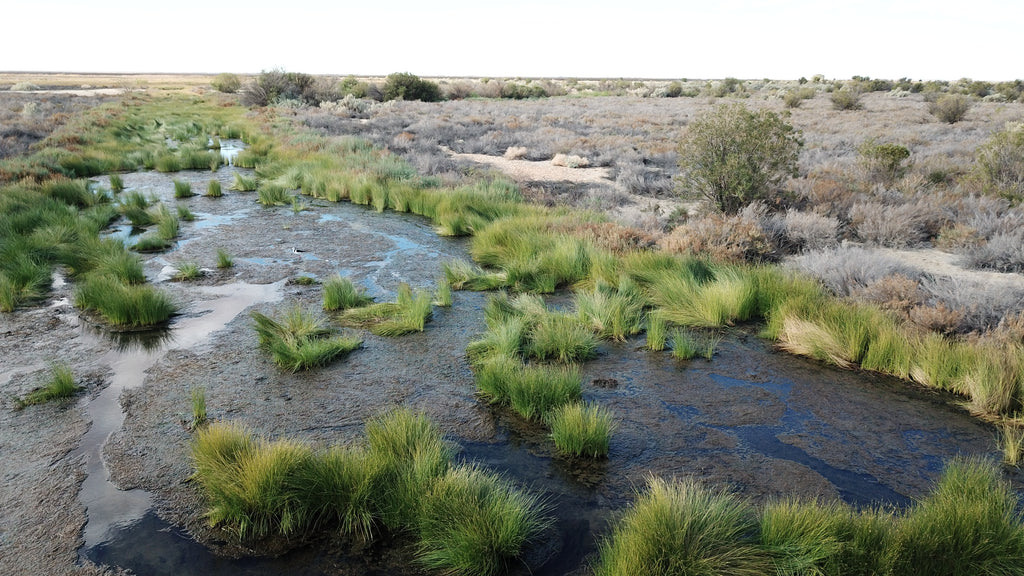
<point>287,323</point>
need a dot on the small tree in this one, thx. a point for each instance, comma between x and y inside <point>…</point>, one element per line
<point>733,156</point>
<point>406,86</point>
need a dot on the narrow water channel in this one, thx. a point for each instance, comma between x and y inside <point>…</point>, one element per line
<point>755,421</point>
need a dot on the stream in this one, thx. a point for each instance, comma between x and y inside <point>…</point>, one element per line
<point>761,423</point>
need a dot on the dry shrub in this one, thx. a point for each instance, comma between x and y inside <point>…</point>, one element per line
<point>898,293</point>
<point>847,269</point>
<point>810,231</point>
<point>515,153</point>
<point>984,305</point>
<point>958,237</point>
<point>830,192</point>
<point>896,226</point>
<point>570,161</point>
<point>735,238</point>
<point>611,236</point>
<point>936,318</point>
<point>1003,252</point>
<point>1011,328</point>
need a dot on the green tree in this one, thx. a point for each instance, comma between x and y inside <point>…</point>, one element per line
<point>733,156</point>
<point>406,86</point>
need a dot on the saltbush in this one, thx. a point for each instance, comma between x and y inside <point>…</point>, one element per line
<point>406,86</point>
<point>950,108</point>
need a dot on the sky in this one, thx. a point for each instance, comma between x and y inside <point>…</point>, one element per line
<point>747,39</point>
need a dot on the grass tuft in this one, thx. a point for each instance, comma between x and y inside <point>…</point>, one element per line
<point>224,259</point>
<point>213,189</point>
<point>182,189</point>
<point>61,384</point>
<point>580,429</point>
<point>341,294</point>
<point>300,340</point>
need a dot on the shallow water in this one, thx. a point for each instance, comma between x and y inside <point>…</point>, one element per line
<point>760,423</point>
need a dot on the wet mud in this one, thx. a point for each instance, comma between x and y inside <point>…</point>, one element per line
<point>761,423</point>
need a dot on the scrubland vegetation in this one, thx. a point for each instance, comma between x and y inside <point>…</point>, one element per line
<point>790,245</point>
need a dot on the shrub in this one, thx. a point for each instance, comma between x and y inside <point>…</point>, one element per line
<point>846,99</point>
<point>721,237</point>
<point>883,162</point>
<point>950,108</point>
<point>733,156</point>
<point>580,429</point>
<point>406,86</point>
<point>227,83</point>
<point>811,231</point>
<point>999,163</point>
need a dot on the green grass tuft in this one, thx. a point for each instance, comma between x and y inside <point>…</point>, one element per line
<point>116,183</point>
<point>245,183</point>
<point>213,189</point>
<point>224,259</point>
<point>300,340</point>
<point>182,189</point>
<point>476,523</point>
<point>561,337</point>
<point>124,305</point>
<point>199,417</point>
<point>187,271</point>
<point>656,332</point>
<point>341,294</point>
<point>61,384</point>
<point>580,429</point>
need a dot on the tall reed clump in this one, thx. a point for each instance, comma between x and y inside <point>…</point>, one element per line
<point>300,340</point>
<point>271,194</point>
<point>400,481</point>
<point>341,294</point>
<point>126,305</point>
<point>679,529</point>
<point>476,523</point>
<point>182,189</point>
<point>970,524</point>
<point>213,189</point>
<point>613,312</point>
<point>60,384</point>
<point>409,313</point>
<point>580,429</point>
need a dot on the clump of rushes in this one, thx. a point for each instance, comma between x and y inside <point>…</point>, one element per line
<point>462,275</point>
<point>561,337</point>
<point>1012,441</point>
<point>213,189</point>
<point>612,312</point>
<point>61,384</point>
<point>301,340</point>
<point>182,189</point>
<point>804,537</point>
<point>124,305</point>
<point>969,524</point>
<point>580,429</point>
<point>199,418</point>
<point>656,332</point>
<point>532,391</point>
<point>271,194</point>
<point>680,528</point>
<point>224,259</point>
<point>116,183</point>
<point>443,294</point>
<point>184,213</point>
<point>476,523</point>
<point>409,313</point>
<point>187,271</point>
<point>167,162</point>
<point>341,294</point>
<point>245,183</point>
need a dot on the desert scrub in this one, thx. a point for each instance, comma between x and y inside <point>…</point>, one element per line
<point>580,429</point>
<point>883,162</point>
<point>846,99</point>
<point>300,340</point>
<point>733,156</point>
<point>476,523</point>
<point>124,305</point>
<point>950,108</point>
<point>999,163</point>
<point>341,294</point>
<point>60,384</point>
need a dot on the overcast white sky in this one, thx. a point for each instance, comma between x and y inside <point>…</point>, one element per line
<point>781,39</point>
